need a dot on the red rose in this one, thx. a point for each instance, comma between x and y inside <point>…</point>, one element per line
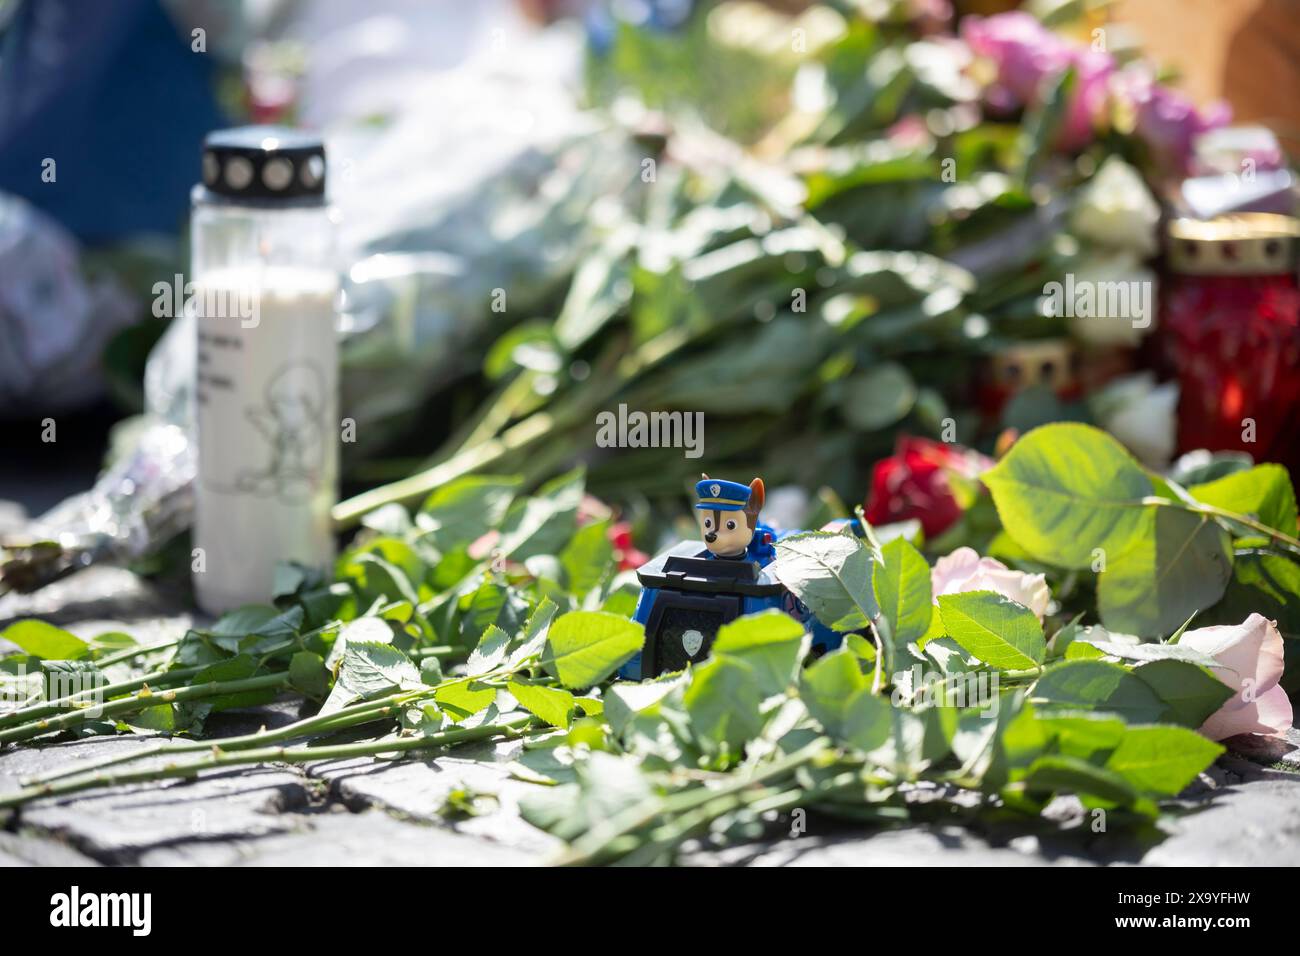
<point>625,552</point>
<point>913,483</point>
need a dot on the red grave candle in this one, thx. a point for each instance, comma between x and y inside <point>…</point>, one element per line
<point>1230,317</point>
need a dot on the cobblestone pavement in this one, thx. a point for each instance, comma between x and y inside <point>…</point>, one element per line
<point>1244,811</point>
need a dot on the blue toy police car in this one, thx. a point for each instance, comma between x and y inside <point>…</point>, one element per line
<point>694,588</point>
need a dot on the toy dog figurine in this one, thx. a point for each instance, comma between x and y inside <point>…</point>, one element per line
<point>727,512</point>
<point>694,588</point>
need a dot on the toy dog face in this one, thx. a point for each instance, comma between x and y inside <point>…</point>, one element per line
<point>725,532</point>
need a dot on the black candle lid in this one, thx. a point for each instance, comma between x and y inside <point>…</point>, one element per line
<point>265,165</point>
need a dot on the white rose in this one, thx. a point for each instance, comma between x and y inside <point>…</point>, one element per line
<point>1250,658</point>
<point>1142,415</point>
<point>1110,300</point>
<point>1116,209</point>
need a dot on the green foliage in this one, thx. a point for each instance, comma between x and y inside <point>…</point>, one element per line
<point>1065,490</point>
<point>994,629</point>
<point>1072,497</point>
<point>901,585</point>
<point>585,647</point>
<point>436,639</point>
<point>831,574</point>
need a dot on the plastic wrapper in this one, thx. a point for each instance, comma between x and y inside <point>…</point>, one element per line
<point>439,208</point>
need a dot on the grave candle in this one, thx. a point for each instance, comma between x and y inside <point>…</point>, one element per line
<point>264,293</point>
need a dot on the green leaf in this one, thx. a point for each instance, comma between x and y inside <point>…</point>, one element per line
<point>585,647</point>
<point>464,697</point>
<point>243,621</point>
<point>1044,120</point>
<point>543,523</point>
<point>902,589</point>
<point>1190,693</point>
<point>1264,491</point>
<point>827,687</point>
<point>723,702</point>
<point>867,720</point>
<point>490,652</point>
<point>831,574</point>
<point>308,676</point>
<point>462,511</point>
<point>1055,773</point>
<point>234,668</point>
<point>1082,735</point>
<point>492,603</point>
<point>625,701</point>
<point>1147,652</point>
<point>599,290</point>
<point>551,704</point>
<point>587,558</point>
<point>1066,489</point>
<point>377,579</point>
<point>1162,760</point>
<point>772,643</point>
<point>997,630</point>
<point>916,740</point>
<point>161,718</point>
<point>532,639</point>
<point>45,640</point>
<point>370,670</point>
<point>1097,685</point>
<point>64,678</point>
<point>607,786</point>
<point>364,630</point>
<point>878,397</point>
<point>1181,564</point>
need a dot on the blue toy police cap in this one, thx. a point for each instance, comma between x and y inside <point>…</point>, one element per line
<point>718,495</point>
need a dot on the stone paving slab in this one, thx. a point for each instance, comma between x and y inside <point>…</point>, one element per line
<point>117,825</point>
<point>905,846</point>
<point>341,838</point>
<point>31,849</point>
<point>419,788</point>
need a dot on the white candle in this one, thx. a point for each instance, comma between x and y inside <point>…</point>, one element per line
<point>268,428</point>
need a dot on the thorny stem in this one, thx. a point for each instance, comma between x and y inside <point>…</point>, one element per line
<point>511,727</point>
<point>321,723</point>
<point>133,652</point>
<point>140,701</point>
<point>360,713</point>
<point>81,698</point>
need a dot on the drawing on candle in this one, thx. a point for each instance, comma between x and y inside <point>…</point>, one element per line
<point>291,421</point>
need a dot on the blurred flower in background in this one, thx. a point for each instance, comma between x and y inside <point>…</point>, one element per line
<point>1024,56</point>
<point>915,482</point>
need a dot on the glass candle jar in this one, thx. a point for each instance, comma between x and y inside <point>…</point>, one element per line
<point>265,291</point>
<point>1230,320</point>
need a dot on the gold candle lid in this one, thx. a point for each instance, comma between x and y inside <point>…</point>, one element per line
<point>1248,243</point>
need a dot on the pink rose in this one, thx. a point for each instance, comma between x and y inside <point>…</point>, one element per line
<point>1025,55</point>
<point>1167,121</point>
<point>1250,659</point>
<point>964,570</point>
